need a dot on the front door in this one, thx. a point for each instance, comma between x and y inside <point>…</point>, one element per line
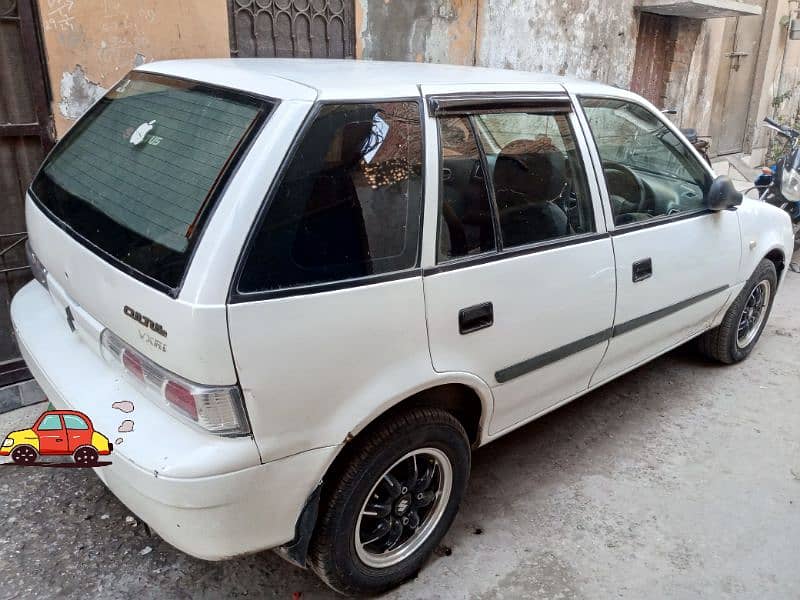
<point>675,258</point>
<point>522,293</point>
<point>52,436</point>
<point>735,78</point>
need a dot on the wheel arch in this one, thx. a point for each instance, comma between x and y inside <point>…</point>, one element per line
<point>466,397</point>
<point>778,258</point>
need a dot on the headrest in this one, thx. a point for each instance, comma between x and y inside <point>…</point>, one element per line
<point>529,170</point>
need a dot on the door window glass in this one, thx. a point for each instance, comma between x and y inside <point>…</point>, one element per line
<point>465,213</point>
<point>75,422</point>
<point>50,423</point>
<point>648,170</point>
<point>349,204</point>
<point>538,177</point>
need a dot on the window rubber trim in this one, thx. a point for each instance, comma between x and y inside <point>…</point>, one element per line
<point>237,297</point>
<point>226,174</point>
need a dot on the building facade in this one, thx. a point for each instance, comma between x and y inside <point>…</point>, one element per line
<point>721,65</point>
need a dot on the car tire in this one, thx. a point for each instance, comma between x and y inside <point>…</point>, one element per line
<point>24,455</point>
<point>741,327</point>
<point>86,456</point>
<point>413,468</point>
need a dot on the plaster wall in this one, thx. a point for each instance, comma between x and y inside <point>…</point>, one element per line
<point>592,39</point>
<point>91,44</point>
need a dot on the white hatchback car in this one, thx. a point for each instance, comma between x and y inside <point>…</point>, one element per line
<point>322,283</point>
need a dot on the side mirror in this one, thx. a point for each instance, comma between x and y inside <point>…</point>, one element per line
<point>723,195</point>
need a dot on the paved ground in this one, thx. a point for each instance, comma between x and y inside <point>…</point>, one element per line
<point>680,480</point>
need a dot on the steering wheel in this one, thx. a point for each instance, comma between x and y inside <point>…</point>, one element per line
<point>622,181</point>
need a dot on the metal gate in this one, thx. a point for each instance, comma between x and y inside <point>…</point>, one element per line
<point>292,28</point>
<point>26,134</point>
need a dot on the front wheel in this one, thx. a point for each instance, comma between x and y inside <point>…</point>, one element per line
<point>24,455</point>
<point>392,503</point>
<point>746,318</point>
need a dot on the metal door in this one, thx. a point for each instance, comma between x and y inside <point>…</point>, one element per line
<point>735,82</point>
<point>292,28</point>
<point>26,134</point>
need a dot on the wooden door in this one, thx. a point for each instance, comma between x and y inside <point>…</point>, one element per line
<point>655,47</point>
<point>26,134</point>
<point>737,70</point>
<point>292,28</point>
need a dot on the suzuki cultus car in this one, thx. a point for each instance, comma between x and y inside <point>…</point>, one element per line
<point>323,284</point>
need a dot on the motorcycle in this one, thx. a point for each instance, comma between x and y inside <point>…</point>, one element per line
<point>700,144</point>
<point>779,185</point>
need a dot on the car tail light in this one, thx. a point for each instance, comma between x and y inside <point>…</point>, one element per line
<point>218,409</point>
<point>132,364</point>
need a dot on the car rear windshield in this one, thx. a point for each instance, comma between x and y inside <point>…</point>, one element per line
<point>138,175</point>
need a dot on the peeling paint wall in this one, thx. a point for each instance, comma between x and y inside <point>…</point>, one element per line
<point>91,44</point>
<point>591,39</point>
<point>594,39</point>
<point>439,31</point>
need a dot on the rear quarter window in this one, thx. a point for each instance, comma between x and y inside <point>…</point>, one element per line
<point>138,175</point>
<point>349,203</point>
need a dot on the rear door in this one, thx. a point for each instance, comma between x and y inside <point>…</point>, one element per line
<point>675,258</point>
<point>78,432</point>
<point>327,318</point>
<point>521,289</point>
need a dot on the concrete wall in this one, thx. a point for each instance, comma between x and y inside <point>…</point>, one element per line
<point>91,44</point>
<point>779,95</point>
<point>591,39</point>
<point>440,31</point>
<point>594,39</point>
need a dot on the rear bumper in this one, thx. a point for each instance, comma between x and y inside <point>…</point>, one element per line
<point>207,495</point>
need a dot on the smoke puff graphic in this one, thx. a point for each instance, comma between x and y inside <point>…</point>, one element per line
<point>125,406</point>
<point>126,426</point>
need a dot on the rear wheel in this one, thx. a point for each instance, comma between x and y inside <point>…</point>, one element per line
<point>86,456</point>
<point>746,318</point>
<point>24,455</point>
<point>392,503</point>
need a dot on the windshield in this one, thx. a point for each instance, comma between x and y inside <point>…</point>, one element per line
<point>137,176</point>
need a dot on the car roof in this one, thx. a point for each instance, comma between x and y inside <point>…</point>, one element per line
<point>330,79</point>
<point>65,412</point>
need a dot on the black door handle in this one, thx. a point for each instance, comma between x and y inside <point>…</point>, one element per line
<point>475,318</point>
<point>642,269</point>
